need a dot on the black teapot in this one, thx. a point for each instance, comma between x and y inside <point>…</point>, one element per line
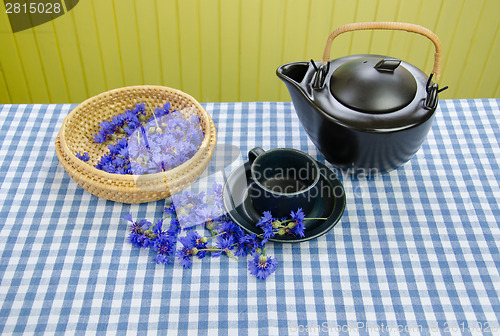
<point>367,114</point>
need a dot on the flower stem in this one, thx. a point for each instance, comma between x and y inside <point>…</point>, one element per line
<point>211,249</point>
<point>154,115</point>
<point>213,236</point>
<point>291,220</point>
<point>216,249</point>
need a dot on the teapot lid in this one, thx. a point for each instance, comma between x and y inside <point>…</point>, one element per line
<point>373,84</point>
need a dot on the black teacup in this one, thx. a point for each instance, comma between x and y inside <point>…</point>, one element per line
<point>284,180</point>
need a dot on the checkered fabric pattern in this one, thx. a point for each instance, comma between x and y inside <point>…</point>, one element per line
<point>416,252</point>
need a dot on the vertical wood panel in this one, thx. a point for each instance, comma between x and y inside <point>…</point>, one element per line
<point>319,27</point>
<point>445,29</point>
<point>50,58</point>
<point>10,62</point>
<point>4,90</point>
<point>488,84</point>
<point>477,57</point>
<point>221,50</point>
<point>168,30</point>
<point>344,12</point>
<point>387,10</point>
<point>189,46</point>
<point>71,59</point>
<point>89,47</point>
<point>462,40</point>
<point>422,51</point>
<point>128,41</point>
<point>230,67</point>
<point>294,40</point>
<point>30,58</point>
<point>402,42</point>
<point>361,40</point>
<point>249,57</point>
<point>148,39</point>
<point>210,51</point>
<point>270,49</point>
<point>104,17</point>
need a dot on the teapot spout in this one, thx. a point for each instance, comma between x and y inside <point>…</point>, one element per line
<point>297,76</point>
<point>293,73</point>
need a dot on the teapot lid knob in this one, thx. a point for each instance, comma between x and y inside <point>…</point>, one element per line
<point>387,64</point>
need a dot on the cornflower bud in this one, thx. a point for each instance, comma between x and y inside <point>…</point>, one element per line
<point>262,259</point>
<point>210,226</point>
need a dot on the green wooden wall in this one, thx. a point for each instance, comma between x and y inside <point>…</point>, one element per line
<point>228,50</point>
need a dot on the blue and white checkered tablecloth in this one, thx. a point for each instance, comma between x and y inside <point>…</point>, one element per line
<point>417,250</point>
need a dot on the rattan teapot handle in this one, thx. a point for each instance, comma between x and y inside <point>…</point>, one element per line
<point>409,27</point>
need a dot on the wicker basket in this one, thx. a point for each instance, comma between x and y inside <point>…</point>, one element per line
<point>79,127</point>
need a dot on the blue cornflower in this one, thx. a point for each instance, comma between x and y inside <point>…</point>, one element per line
<point>120,161</point>
<point>175,227</point>
<point>226,245</point>
<point>262,266</point>
<point>164,245</point>
<point>189,197</point>
<point>191,238</point>
<point>101,136</point>
<point>185,253</point>
<point>84,157</point>
<point>231,229</point>
<point>106,130</point>
<point>123,152</point>
<point>227,226</point>
<point>158,227</point>
<point>139,235</point>
<point>188,241</point>
<point>299,227</point>
<point>169,210</point>
<point>194,240</point>
<point>161,111</point>
<point>152,148</point>
<point>266,219</point>
<point>137,169</point>
<point>128,217</point>
<point>269,233</point>
<point>266,224</point>
<point>217,194</point>
<point>117,121</point>
<point>206,213</point>
<point>247,244</point>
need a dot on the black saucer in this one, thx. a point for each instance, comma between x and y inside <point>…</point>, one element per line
<point>331,205</point>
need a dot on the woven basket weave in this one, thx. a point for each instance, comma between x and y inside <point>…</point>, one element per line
<point>82,123</point>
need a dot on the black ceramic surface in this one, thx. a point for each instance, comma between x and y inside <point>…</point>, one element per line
<point>239,205</point>
<point>359,140</point>
<point>284,180</point>
<point>373,85</point>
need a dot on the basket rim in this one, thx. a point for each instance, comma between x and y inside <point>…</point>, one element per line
<point>208,140</point>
